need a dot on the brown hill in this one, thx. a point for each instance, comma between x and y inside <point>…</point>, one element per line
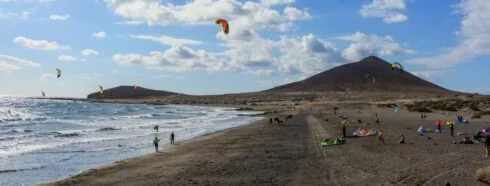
<point>354,77</point>
<point>128,92</point>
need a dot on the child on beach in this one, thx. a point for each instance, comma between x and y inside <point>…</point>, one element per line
<point>380,137</point>
<point>155,143</point>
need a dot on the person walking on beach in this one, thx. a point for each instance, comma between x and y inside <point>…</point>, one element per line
<point>155,143</point>
<point>377,121</point>
<point>172,138</point>
<point>380,137</point>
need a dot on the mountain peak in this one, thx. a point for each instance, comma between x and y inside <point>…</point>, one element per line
<point>358,76</point>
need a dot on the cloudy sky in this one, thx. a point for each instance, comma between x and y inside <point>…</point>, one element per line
<point>174,44</point>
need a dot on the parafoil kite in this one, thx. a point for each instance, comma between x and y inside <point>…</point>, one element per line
<point>58,73</point>
<point>394,107</point>
<point>370,76</point>
<point>224,25</point>
<point>396,65</point>
<point>101,91</point>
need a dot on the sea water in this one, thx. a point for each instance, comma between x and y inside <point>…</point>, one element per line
<point>43,140</point>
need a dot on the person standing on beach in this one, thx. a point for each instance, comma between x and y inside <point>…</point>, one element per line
<point>380,137</point>
<point>172,138</point>
<point>155,143</point>
<point>344,130</point>
<point>451,126</point>
<point>487,145</point>
<point>155,128</point>
<point>377,121</point>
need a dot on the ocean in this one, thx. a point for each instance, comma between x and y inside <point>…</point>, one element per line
<point>43,140</point>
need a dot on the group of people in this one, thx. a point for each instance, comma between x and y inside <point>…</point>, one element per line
<point>156,140</point>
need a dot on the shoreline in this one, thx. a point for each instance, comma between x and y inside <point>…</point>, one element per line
<point>291,154</point>
<point>171,148</point>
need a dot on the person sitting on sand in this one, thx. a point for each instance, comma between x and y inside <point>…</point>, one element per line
<point>402,139</point>
<point>172,138</point>
<point>155,143</point>
<point>380,137</point>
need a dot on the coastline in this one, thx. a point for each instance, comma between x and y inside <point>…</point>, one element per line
<point>193,141</point>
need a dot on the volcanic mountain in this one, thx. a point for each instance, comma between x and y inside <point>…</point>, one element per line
<point>126,92</point>
<point>371,74</point>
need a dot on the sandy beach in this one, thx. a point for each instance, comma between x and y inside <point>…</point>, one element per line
<point>260,154</point>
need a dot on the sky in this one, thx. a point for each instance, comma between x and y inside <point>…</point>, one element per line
<point>175,45</point>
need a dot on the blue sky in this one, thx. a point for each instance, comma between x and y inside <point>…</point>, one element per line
<point>175,45</point>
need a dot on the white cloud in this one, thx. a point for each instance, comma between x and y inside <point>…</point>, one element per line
<point>99,34</point>
<point>386,9</point>
<point>167,40</point>
<point>130,23</point>
<point>9,15</point>
<point>57,17</point>
<point>307,55</point>
<point>39,44</point>
<point>365,45</point>
<point>178,58</point>
<point>276,2</point>
<point>89,52</point>
<point>68,58</point>
<point>475,37</point>
<point>10,63</point>
<point>242,15</point>
<point>295,14</point>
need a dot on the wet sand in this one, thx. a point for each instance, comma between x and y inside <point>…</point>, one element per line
<point>260,154</point>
